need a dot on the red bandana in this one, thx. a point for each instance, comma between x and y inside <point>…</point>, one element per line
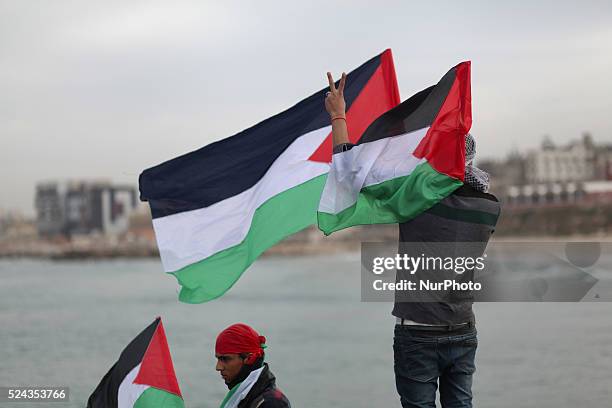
<point>240,338</point>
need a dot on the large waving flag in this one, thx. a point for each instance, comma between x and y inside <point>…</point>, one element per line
<point>143,377</point>
<point>407,160</point>
<point>215,210</point>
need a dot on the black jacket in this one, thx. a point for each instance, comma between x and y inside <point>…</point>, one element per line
<point>465,216</point>
<point>264,393</point>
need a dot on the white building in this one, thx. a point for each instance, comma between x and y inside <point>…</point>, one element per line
<point>570,163</point>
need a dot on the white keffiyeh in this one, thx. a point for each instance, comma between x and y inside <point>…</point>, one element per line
<point>474,176</point>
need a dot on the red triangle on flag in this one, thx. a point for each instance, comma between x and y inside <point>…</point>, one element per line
<point>156,368</point>
<point>379,95</point>
<point>444,144</point>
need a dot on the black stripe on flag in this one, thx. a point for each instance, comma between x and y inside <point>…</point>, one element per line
<point>416,112</point>
<point>105,394</point>
<point>230,166</point>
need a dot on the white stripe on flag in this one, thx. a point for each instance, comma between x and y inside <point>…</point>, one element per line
<point>243,389</point>
<point>128,391</point>
<point>368,164</point>
<point>191,236</point>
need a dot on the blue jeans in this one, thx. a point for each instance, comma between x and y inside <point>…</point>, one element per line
<point>424,359</point>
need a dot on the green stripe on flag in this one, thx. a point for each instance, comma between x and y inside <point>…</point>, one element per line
<point>392,201</point>
<point>229,394</point>
<point>156,398</point>
<point>282,215</point>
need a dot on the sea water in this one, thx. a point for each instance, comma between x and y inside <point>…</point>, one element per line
<point>65,323</point>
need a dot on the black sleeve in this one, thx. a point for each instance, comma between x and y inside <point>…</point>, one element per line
<point>342,147</point>
<point>274,399</point>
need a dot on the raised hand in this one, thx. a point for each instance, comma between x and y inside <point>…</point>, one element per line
<point>334,99</point>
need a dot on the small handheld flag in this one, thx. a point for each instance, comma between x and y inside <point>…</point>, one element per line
<point>143,377</point>
<point>407,160</point>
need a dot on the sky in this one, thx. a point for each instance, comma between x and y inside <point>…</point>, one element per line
<point>105,89</point>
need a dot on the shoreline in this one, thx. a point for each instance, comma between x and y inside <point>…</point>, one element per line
<point>100,249</point>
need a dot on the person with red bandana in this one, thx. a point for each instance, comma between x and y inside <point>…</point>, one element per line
<point>239,351</point>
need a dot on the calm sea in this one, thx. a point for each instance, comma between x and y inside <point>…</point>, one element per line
<point>65,323</point>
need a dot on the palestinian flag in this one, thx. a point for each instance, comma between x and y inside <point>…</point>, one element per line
<point>407,160</point>
<point>215,210</point>
<point>143,377</point>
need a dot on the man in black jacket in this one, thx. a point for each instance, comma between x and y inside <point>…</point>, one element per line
<point>240,361</point>
<point>435,341</point>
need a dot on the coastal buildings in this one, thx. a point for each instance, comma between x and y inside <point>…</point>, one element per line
<point>81,208</point>
<point>552,190</point>
<point>561,164</point>
<point>14,225</point>
<point>579,172</point>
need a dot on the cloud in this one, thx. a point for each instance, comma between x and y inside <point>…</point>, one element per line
<point>106,88</point>
<point>151,24</point>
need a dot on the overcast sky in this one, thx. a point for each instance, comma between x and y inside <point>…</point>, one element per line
<point>106,89</point>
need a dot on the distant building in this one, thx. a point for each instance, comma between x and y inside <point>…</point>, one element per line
<point>603,163</point>
<point>553,164</point>
<point>81,207</point>
<point>576,173</point>
<point>49,203</point>
<point>14,225</point>
<point>587,192</point>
